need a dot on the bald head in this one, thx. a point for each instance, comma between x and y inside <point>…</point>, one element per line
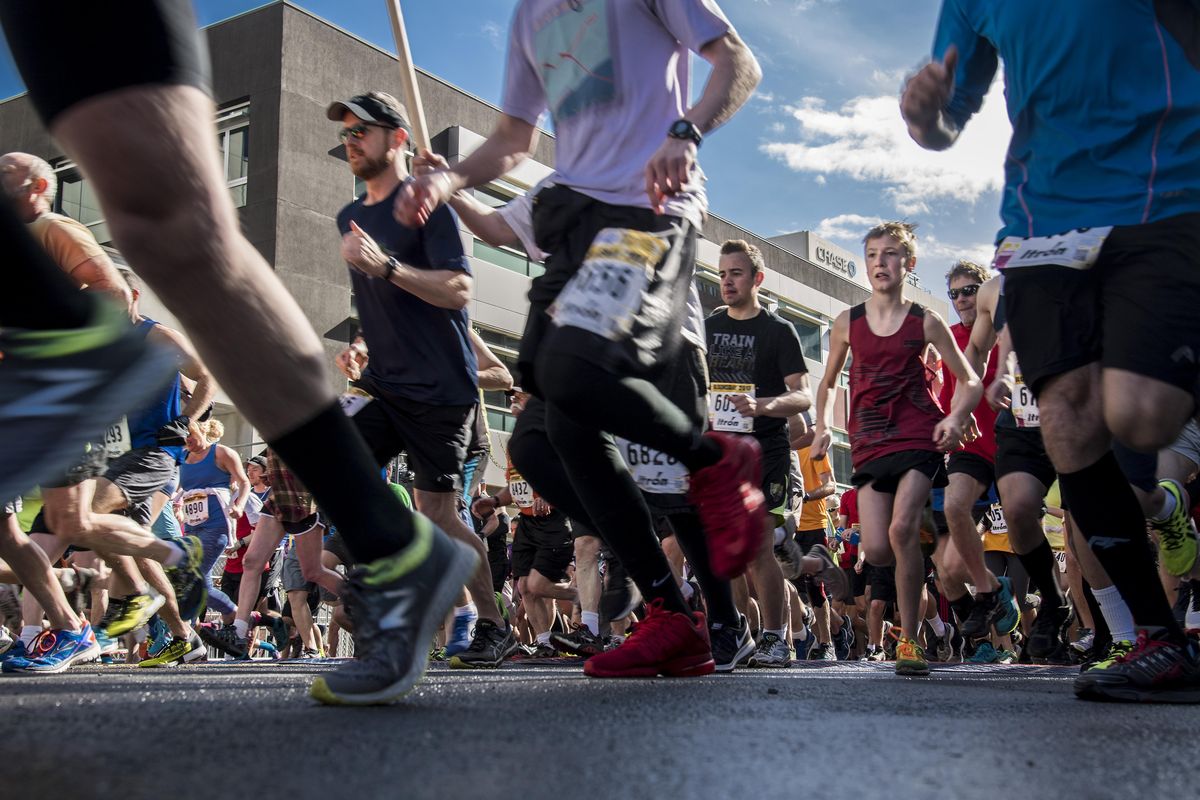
<point>29,181</point>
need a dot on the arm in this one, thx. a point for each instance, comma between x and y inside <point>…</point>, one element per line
<point>206,386</point>
<point>828,486</point>
<point>983,332</point>
<point>967,393</point>
<point>800,435</point>
<point>493,375</point>
<point>484,507</point>
<point>228,460</point>
<point>839,348</point>
<point>796,400</point>
<point>479,217</point>
<point>444,288</point>
<point>511,142</point>
<point>99,275</point>
<point>999,394</point>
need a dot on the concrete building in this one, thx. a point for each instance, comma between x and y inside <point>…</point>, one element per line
<point>276,68</point>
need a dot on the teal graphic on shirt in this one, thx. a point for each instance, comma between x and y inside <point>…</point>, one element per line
<point>574,52</point>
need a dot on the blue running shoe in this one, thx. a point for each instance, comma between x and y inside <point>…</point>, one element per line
<point>461,639</point>
<point>984,654</point>
<point>1008,621</point>
<point>56,651</point>
<point>160,637</point>
<point>15,653</point>
<point>108,645</point>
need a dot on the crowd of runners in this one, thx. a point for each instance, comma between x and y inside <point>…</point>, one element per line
<point>1024,480</point>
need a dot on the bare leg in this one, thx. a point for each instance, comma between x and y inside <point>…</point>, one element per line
<point>33,567</point>
<point>303,619</point>
<point>768,580</point>
<point>587,573</point>
<point>267,536</point>
<point>440,508</point>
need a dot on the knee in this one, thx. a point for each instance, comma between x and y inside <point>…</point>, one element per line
<point>879,554</point>
<point>902,532</point>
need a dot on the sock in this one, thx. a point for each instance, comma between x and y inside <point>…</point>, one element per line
<point>1116,614</point>
<point>802,635</point>
<point>1115,530</point>
<point>779,633</point>
<point>242,627</point>
<point>1167,509</point>
<point>591,621</point>
<point>962,607</point>
<point>687,590</point>
<point>177,555</point>
<point>939,627</point>
<point>37,293</point>
<point>29,633</point>
<point>330,457</point>
<point>543,638</point>
<point>465,611</point>
<point>1039,563</point>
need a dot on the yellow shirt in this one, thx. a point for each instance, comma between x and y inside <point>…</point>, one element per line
<point>1053,526</point>
<point>68,242</point>
<point>812,515</point>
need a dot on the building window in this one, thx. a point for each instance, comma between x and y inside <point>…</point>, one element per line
<point>810,333</point>
<point>77,200</point>
<point>839,458</point>
<point>496,403</point>
<point>233,141</point>
<point>710,293</point>
<point>507,257</point>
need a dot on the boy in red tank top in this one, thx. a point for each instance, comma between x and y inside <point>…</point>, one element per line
<point>898,433</point>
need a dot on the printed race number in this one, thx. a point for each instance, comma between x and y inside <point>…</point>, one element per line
<point>195,508</point>
<point>1024,404</point>
<point>653,471</point>
<point>605,294</point>
<point>1077,249</point>
<point>521,491</point>
<point>116,439</point>
<point>722,411</point>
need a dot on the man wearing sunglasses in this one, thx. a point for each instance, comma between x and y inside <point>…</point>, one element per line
<point>412,286</point>
<point>972,471</point>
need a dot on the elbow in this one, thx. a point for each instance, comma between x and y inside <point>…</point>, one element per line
<point>459,299</point>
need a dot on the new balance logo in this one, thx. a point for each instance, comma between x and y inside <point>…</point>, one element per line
<point>399,613</point>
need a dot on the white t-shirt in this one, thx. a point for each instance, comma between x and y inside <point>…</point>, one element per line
<point>614,75</point>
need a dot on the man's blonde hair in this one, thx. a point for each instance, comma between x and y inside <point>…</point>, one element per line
<point>903,232</point>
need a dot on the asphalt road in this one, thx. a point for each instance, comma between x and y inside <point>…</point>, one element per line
<point>839,730</point>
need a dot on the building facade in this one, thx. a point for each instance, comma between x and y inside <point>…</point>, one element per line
<point>277,68</point>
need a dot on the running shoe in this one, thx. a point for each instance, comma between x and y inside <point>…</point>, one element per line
<point>15,650</point>
<point>788,554</point>
<point>1103,659</point>
<point>460,640</point>
<point>55,651</point>
<point>620,599</point>
<point>823,652</point>
<point>695,600</point>
<point>188,580</point>
<point>942,646</point>
<point>1006,657</point>
<point>833,576</point>
<point>581,642</point>
<point>772,652</point>
<point>984,653</point>
<point>803,647</point>
<point>1084,643</point>
<point>1191,619</point>
<point>490,645</point>
<point>843,640</point>
<point>730,503</point>
<point>998,608</point>
<point>176,651</point>
<point>59,388</point>
<point>664,643</point>
<point>731,646</point>
<point>1176,535</point>
<point>160,637</point>
<point>397,604</point>
<point>910,658</point>
<point>544,650</point>
<point>108,645</point>
<point>6,640</point>
<point>875,655</point>
<point>226,640</point>
<point>1049,630</point>
<point>130,614</point>
<point>1156,670</point>
<point>308,654</point>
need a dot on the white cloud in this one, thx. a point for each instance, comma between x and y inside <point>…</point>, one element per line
<point>866,141</point>
<point>846,228</point>
<point>819,180</point>
<point>494,32</point>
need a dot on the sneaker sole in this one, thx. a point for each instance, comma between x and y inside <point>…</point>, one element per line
<point>1131,694</point>
<point>741,658</point>
<point>684,667</point>
<point>915,671</point>
<point>212,641</point>
<point>457,663</point>
<point>566,647</point>
<point>89,654</point>
<point>143,617</point>
<point>462,565</point>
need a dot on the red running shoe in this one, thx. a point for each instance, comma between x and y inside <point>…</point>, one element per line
<point>731,504</point>
<point>664,643</point>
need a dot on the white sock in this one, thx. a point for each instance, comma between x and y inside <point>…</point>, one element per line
<point>29,633</point>
<point>1168,508</point>
<point>465,611</point>
<point>1116,614</point>
<point>939,627</point>
<point>177,555</point>
<point>543,638</point>
<point>802,635</point>
<point>591,621</point>
<point>687,590</point>
<point>778,633</point>
<point>242,627</point>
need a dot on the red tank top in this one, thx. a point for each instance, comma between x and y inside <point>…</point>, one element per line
<point>892,407</point>
<point>985,445</point>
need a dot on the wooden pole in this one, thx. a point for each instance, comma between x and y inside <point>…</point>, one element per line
<point>408,77</point>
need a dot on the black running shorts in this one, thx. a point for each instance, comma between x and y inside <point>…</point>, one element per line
<point>72,50</point>
<point>883,474</point>
<point>544,544</point>
<point>973,464</point>
<point>1134,310</point>
<point>1022,450</point>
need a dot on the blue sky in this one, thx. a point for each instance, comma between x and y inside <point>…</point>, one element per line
<point>820,147</point>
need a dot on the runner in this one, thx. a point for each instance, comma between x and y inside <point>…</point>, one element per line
<point>812,530</point>
<point>141,127</point>
<point>588,358</point>
<point>897,430</point>
<point>1109,171</point>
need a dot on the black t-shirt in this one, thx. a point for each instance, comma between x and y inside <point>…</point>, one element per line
<point>762,351</point>
<point>417,351</point>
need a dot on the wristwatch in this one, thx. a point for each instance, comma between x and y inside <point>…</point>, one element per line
<point>392,266</point>
<point>685,129</point>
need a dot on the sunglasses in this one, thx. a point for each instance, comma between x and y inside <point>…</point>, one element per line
<point>966,291</point>
<point>358,132</point>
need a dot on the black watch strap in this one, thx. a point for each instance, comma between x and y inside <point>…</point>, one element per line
<point>685,129</point>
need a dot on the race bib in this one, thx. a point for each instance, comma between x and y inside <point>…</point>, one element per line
<point>654,472</point>
<point>1024,404</point>
<point>353,402</point>
<point>605,294</point>
<point>1060,558</point>
<point>721,410</point>
<point>521,491</point>
<point>116,439</point>
<point>995,515</point>
<point>195,507</point>
<point>1077,249</point>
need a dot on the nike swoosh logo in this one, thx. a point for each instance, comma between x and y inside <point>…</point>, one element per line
<point>399,613</point>
<point>661,581</point>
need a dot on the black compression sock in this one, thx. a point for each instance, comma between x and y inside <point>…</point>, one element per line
<point>1039,563</point>
<point>330,458</point>
<point>962,607</point>
<point>1115,530</point>
<point>37,293</point>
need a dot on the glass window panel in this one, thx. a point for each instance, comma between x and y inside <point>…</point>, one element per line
<point>839,457</point>
<point>501,258</point>
<point>239,154</point>
<point>89,206</point>
<point>100,231</point>
<point>239,195</point>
